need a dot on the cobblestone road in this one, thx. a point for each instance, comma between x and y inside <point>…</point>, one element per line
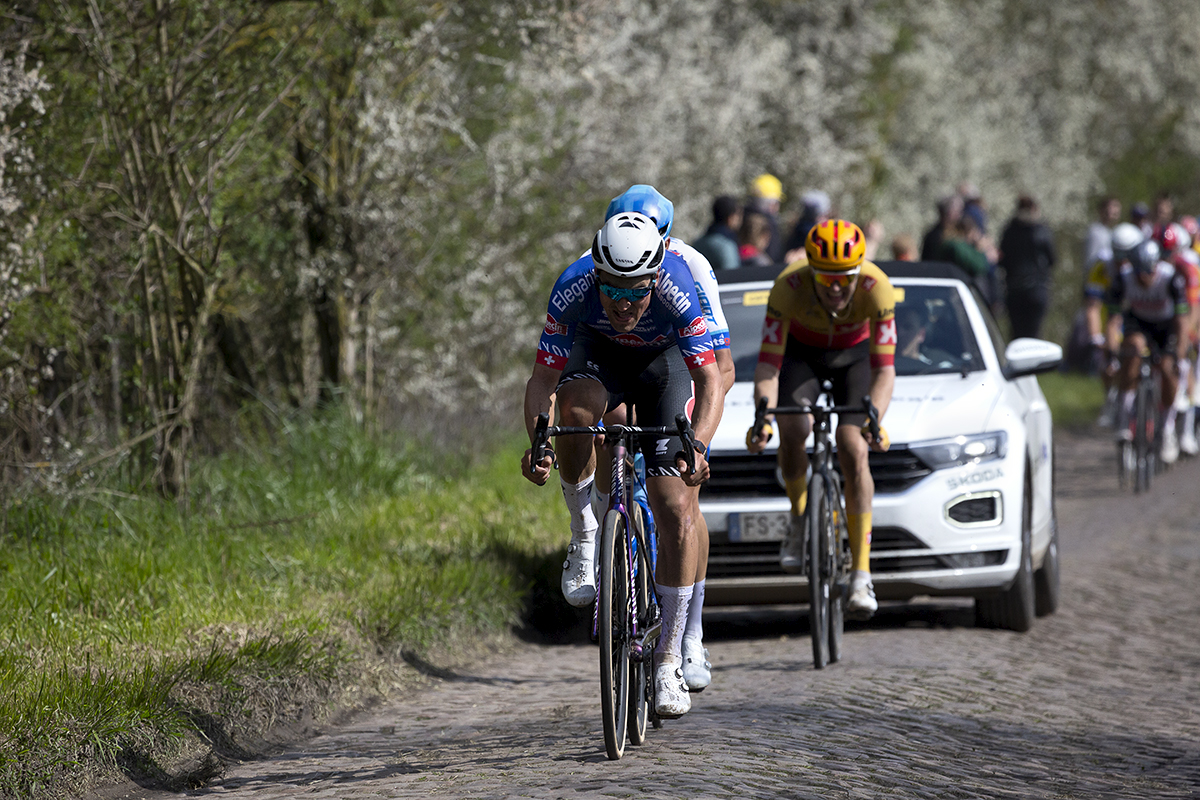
<point>1099,700</point>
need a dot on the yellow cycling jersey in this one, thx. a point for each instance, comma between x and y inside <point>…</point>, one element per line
<point>1099,280</point>
<point>794,310</point>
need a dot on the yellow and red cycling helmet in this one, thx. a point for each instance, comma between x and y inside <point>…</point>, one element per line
<point>836,245</point>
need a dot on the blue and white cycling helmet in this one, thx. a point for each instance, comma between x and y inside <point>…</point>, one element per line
<point>628,246</point>
<point>645,199</point>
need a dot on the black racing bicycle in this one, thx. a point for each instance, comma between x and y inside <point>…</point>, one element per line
<point>827,559</point>
<point>628,618</point>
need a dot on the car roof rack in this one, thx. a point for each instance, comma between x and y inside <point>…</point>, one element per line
<point>893,269</point>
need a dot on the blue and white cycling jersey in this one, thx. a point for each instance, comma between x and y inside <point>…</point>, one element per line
<point>706,289</point>
<point>675,315</point>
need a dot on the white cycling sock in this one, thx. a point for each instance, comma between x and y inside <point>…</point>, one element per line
<point>1169,422</point>
<point>1127,401</point>
<point>599,504</point>
<point>675,600</point>
<point>579,504</point>
<point>1189,421</point>
<point>695,624</point>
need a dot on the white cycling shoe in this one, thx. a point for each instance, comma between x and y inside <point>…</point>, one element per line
<point>1188,444</point>
<point>671,698</point>
<point>1170,446</point>
<point>697,671</point>
<point>579,574</point>
<point>861,605</point>
<point>791,549</point>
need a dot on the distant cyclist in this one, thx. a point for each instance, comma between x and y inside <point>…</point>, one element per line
<point>1125,237</point>
<point>645,199</point>
<point>624,325</point>
<point>1149,303</point>
<point>833,319</point>
<point>1176,245</point>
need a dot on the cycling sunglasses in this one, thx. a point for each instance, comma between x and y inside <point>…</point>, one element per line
<point>632,295</point>
<point>831,279</point>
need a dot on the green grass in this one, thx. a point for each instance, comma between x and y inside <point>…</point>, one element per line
<point>1075,400</point>
<point>124,620</point>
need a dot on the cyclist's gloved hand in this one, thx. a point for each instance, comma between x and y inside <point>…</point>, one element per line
<point>755,445</point>
<point>882,443</point>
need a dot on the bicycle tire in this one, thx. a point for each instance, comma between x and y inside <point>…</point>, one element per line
<point>639,687</point>
<point>1142,436</point>
<point>818,519</point>
<point>613,625</point>
<point>839,563</point>
<point>1124,458</point>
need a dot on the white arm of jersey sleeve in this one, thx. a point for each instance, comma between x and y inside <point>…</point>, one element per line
<point>706,284</point>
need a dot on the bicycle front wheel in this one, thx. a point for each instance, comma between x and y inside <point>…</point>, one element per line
<point>640,675</point>
<point>818,522</point>
<point>839,561</point>
<point>1143,435</point>
<point>613,624</point>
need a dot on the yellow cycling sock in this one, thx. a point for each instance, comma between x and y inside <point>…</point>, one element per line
<point>797,492</point>
<point>859,528</point>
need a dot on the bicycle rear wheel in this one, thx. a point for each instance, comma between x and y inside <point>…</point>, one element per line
<point>818,521</point>
<point>639,705</point>
<point>613,624</point>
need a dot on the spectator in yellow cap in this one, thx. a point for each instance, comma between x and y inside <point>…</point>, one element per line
<point>766,192</point>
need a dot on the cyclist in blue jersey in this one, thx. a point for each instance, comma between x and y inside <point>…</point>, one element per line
<point>645,199</point>
<point>624,325</point>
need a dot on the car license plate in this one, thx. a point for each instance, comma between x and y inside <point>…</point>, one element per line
<point>767,527</point>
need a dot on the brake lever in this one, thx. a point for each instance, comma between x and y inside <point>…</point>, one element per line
<point>760,418</point>
<point>872,417</point>
<point>539,441</point>
<point>685,435</point>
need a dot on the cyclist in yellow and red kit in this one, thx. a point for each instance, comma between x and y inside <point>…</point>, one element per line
<point>830,319</point>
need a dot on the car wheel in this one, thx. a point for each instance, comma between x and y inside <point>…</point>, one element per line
<point>1014,608</point>
<point>1045,580</point>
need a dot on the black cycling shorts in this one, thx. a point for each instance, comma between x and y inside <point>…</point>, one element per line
<point>656,384</point>
<point>806,367</point>
<point>1159,335</point>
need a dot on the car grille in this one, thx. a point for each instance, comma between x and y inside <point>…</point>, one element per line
<point>761,559</point>
<point>743,475</point>
<point>750,475</point>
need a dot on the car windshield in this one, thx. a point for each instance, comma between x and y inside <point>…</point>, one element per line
<point>933,332</point>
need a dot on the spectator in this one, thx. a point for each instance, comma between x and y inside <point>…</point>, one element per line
<point>719,244</point>
<point>949,211</point>
<point>766,193</point>
<point>904,248</point>
<point>963,247</point>
<point>816,207</point>
<point>973,205</point>
<point>1164,211</point>
<point>873,233</point>
<point>1097,243</point>
<point>1139,214</point>
<point>1027,256</point>
<point>753,238</point>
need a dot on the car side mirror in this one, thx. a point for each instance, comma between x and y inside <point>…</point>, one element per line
<point>1031,356</point>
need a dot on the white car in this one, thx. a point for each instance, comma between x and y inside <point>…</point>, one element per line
<point>964,499</point>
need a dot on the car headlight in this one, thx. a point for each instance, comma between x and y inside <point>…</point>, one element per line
<point>959,451</point>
